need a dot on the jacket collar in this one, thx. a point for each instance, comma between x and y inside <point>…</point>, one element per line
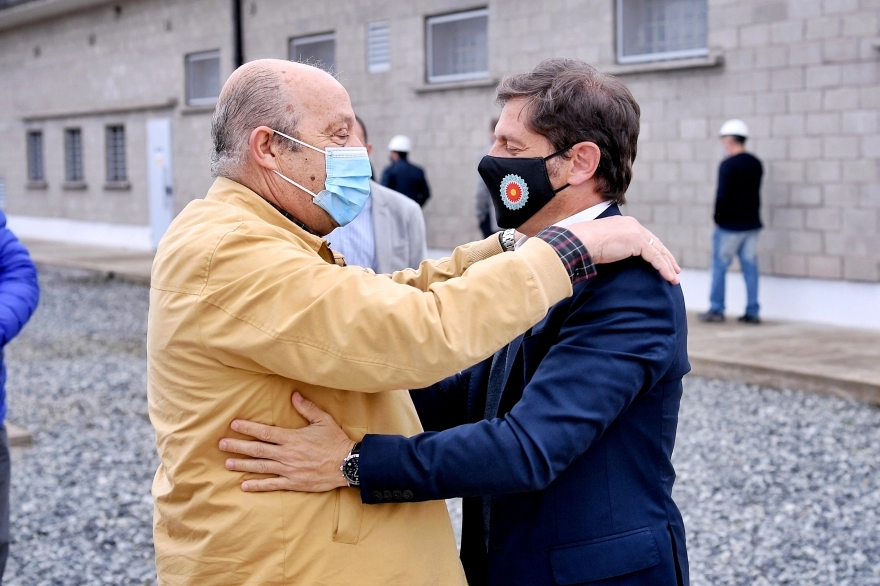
<point>235,194</point>
<point>613,210</point>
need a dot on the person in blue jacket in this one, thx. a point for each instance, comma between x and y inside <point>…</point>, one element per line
<point>561,444</point>
<point>19,295</point>
<point>402,176</point>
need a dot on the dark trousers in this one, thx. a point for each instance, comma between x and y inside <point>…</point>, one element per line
<point>4,499</point>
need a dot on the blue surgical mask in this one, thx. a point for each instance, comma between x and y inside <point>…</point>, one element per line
<point>347,186</point>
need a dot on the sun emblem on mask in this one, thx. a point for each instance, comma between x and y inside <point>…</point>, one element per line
<point>514,192</point>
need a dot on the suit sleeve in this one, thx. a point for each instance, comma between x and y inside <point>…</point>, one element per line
<point>415,226</point>
<point>425,189</point>
<point>387,178</point>
<point>618,341</point>
<point>443,405</point>
<point>19,289</point>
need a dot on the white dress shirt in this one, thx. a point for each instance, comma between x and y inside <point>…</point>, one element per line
<point>591,213</point>
<point>357,241</point>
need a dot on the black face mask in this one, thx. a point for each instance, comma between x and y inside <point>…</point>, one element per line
<point>519,187</point>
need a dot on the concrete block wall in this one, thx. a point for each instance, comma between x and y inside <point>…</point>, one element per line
<point>804,74</point>
<point>122,57</point>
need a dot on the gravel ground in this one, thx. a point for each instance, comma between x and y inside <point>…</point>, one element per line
<point>775,487</point>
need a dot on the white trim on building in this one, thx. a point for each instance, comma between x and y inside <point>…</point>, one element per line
<point>81,232</point>
<point>833,302</point>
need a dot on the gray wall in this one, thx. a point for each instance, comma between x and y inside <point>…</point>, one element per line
<point>93,68</point>
<point>804,74</point>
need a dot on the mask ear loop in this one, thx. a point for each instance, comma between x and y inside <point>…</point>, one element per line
<point>301,142</point>
<point>288,179</point>
<point>557,153</point>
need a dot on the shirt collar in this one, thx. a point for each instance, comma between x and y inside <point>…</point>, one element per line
<point>591,213</point>
<point>292,218</point>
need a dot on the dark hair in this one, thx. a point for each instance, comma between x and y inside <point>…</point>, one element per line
<point>738,138</point>
<point>569,101</point>
<point>402,154</point>
<point>363,127</point>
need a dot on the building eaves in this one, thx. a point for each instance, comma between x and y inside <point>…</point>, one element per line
<point>21,12</point>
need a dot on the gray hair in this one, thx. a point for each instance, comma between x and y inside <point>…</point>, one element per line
<point>256,98</point>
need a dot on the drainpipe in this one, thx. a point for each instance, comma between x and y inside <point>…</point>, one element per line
<point>238,36</point>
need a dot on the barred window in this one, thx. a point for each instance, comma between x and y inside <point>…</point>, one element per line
<point>378,46</point>
<point>73,158</point>
<point>116,171</point>
<point>202,77</point>
<point>457,46</point>
<point>315,49</point>
<point>654,30</point>
<point>35,156</point>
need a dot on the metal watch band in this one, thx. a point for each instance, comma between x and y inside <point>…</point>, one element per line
<point>350,466</point>
<point>508,239</point>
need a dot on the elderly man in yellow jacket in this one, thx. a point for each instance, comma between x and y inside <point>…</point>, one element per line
<point>248,304</point>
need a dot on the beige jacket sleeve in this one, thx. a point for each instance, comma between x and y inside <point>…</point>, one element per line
<point>345,328</point>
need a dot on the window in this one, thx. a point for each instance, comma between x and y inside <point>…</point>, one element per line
<point>2,192</point>
<point>202,78</point>
<point>457,46</point>
<point>35,156</point>
<point>73,159</point>
<point>378,46</point>
<point>316,49</point>
<point>116,155</point>
<point>652,30</point>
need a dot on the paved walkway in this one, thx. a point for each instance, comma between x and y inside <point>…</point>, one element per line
<point>775,354</point>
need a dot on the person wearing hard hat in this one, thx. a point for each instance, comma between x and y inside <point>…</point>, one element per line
<point>737,222</point>
<point>403,176</point>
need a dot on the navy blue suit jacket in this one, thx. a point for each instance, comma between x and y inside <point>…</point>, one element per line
<point>578,463</point>
<point>408,179</point>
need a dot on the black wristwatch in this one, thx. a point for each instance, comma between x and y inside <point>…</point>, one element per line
<point>349,466</point>
<point>507,239</point>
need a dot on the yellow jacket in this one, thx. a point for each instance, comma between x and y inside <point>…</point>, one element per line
<point>245,308</point>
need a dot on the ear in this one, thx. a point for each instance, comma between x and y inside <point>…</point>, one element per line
<point>262,147</point>
<point>583,163</point>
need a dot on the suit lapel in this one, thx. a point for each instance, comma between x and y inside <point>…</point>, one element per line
<point>506,357</point>
<point>381,235</point>
<point>502,363</point>
<point>612,210</point>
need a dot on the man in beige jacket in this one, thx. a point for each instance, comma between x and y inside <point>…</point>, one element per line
<point>248,303</point>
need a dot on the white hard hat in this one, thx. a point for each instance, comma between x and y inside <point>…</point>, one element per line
<point>735,127</point>
<point>400,144</point>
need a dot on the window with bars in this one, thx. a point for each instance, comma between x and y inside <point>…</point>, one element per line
<point>457,46</point>
<point>202,78</point>
<point>318,50</point>
<point>116,172</point>
<point>36,172</point>
<point>73,157</point>
<point>378,46</point>
<point>654,30</point>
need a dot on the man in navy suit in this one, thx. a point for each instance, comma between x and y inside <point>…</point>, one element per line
<point>561,443</point>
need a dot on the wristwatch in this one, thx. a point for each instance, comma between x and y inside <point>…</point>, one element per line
<point>349,466</point>
<point>508,239</point>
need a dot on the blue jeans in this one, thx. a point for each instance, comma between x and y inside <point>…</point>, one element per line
<point>726,244</point>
